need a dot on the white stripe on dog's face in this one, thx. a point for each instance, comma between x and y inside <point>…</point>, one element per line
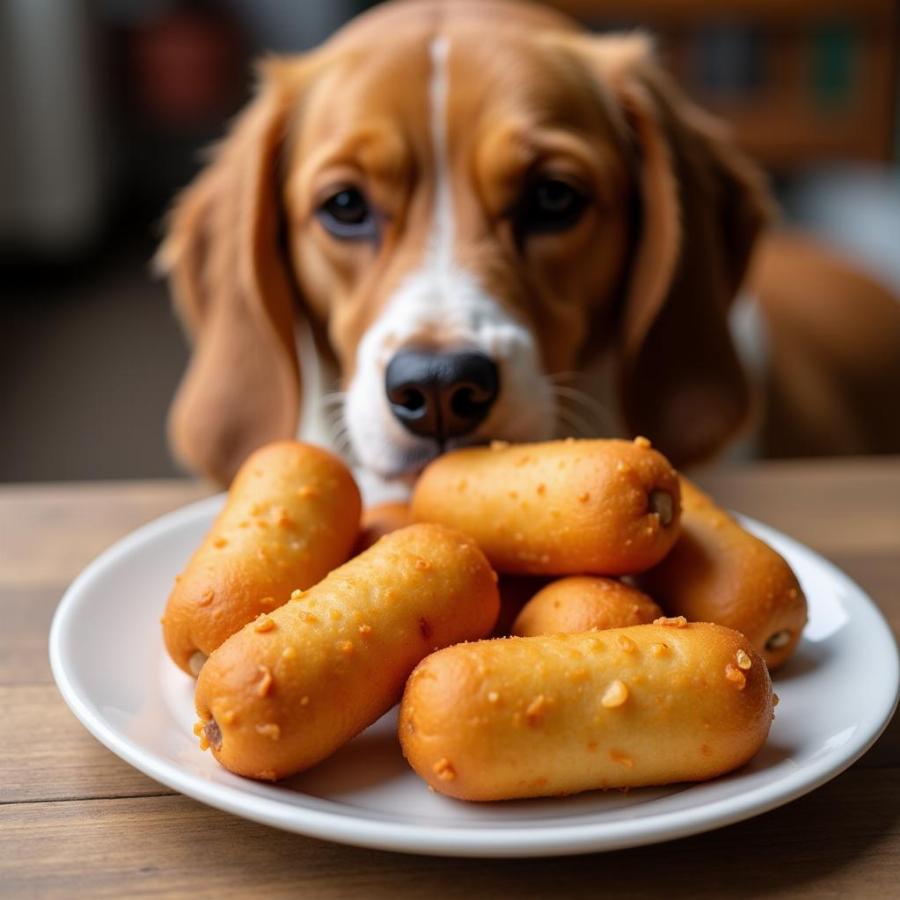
<point>440,245</point>
<point>442,306</point>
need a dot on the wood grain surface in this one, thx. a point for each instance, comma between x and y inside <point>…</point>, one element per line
<point>75,821</point>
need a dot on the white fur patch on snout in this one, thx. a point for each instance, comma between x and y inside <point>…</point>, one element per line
<point>444,313</point>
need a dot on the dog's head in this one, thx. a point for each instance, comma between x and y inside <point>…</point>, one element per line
<point>465,200</point>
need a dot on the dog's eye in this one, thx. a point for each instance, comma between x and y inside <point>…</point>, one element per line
<point>346,214</point>
<point>550,204</point>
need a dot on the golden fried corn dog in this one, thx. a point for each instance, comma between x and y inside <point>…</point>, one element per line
<point>291,516</point>
<point>584,603</point>
<point>291,687</point>
<point>718,572</point>
<point>545,716</point>
<point>557,508</point>
<point>379,520</point>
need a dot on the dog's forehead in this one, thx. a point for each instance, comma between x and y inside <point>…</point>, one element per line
<point>513,73</point>
<point>519,75</point>
<point>356,89</point>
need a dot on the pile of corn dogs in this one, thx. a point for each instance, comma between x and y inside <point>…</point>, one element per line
<point>556,617</point>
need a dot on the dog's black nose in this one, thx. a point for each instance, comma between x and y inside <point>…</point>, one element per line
<point>440,395</point>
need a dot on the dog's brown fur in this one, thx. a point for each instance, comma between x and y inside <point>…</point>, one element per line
<point>650,272</point>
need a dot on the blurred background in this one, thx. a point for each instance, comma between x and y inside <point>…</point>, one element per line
<point>105,105</point>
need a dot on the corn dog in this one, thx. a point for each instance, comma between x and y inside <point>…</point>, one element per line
<point>291,687</point>
<point>545,716</point>
<point>718,572</point>
<point>291,516</point>
<point>557,508</point>
<point>584,603</point>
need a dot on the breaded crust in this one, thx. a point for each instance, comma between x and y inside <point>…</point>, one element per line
<point>569,507</point>
<point>294,685</point>
<point>546,716</point>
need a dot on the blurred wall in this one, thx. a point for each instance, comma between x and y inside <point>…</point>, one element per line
<point>51,155</point>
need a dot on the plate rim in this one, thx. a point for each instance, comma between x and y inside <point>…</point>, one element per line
<point>473,840</point>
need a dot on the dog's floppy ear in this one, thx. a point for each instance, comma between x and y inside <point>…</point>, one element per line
<point>701,207</point>
<point>233,293</point>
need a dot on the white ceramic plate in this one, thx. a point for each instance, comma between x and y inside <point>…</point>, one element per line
<point>837,695</point>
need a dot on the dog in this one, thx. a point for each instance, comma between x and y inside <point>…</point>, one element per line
<point>470,207</point>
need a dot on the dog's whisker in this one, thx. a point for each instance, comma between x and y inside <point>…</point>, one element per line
<point>583,412</point>
<point>587,425</point>
<point>338,427</point>
<point>340,433</point>
<point>592,421</point>
<point>581,397</point>
<point>335,419</point>
<point>343,445</point>
<point>568,415</point>
<point>591,407</point>
<point>334,409</point>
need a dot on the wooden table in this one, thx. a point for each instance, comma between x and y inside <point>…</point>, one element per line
<point>75,821</point>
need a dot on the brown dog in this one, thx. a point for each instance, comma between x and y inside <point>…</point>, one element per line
<point>467,200</point>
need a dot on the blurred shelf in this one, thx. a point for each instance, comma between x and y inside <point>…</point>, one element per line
<point>800,81</point>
